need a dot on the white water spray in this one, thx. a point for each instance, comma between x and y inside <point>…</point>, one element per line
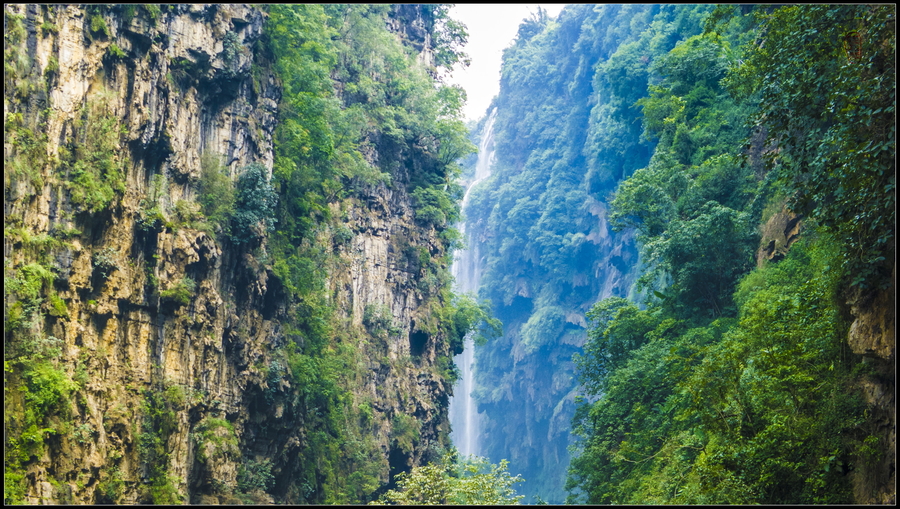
<point>467,273</point>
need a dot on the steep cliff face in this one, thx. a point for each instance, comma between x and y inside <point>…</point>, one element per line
<point>141,360</point>
<point>873,335</point>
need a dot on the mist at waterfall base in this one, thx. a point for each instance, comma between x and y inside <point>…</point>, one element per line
<point>463,411</point>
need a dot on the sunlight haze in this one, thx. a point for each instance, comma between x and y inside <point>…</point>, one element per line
<point>491,27</point>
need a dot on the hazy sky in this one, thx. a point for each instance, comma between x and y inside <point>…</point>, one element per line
<point>491,27</point>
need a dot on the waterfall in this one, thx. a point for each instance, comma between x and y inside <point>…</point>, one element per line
<point>466,272</point>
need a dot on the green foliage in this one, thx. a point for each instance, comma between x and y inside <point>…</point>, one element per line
<point>17,63</point>
<point>128,12</point>
<point>37,405</point>
<point>83,433</point>
<point>825,79</point>
<point>254,205</point>
<point>105,261</point>
<point>98,25</point>
<point>255,475</point>
<point>52,68</point>
<point>28,284</point>
<point>405,432</point>
<point>48,387</point>
<point>112,485</point>
<point>617,328</point>
<point>49,28</point>
<point>151,216</point>
<point>379,321</point>
<point>164,492</point>
<point>433,205</point>
<point>179,293</point>
<point>342,235</point>
<point>153,12</point>
<point>449,36</point>
<point>58,306</point>
<point>30,151</point>
<point>452,481</point>
<point>567,128</point>
<point>158,423</point>
<point>96,174</point>
<point>231,47</point>
<point>216,191</point>
<point>470,317</point>
<point>741,419</point>
<point>115,51</point>
<point>690,405</point>
<point>14,487</point>
<point>687,204</point>
<point>29,281</point>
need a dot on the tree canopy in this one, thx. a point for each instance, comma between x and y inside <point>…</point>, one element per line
<point>734,383</point>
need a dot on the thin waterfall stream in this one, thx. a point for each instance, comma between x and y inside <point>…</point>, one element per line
<point>466,272</point>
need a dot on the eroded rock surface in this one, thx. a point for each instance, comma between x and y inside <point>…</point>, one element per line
<point>181,85</point>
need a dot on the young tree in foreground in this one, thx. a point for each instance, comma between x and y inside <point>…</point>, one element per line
<point>466,482</point>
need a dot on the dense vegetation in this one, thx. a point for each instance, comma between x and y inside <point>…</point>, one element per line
<point>734,383</point>
<point>566,131</point>
<point>350,88</point>
<point>455,481</point>
<point>715,369</point>
<point>359,115</point>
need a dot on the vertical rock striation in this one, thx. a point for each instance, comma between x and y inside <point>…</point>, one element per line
<point>166,332</point>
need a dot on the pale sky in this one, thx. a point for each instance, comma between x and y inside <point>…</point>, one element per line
<point>491,27</point>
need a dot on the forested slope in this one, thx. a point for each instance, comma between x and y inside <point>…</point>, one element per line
<point>759,367</point>
<point>226,248</point>
<point>566,131</point>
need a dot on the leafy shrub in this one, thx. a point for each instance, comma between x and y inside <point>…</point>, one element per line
<point>404,431</point>
<point>255,475</point>
<point>49,387</point>
<point>112,485</point>
<point>435,207</point>
<point>158,423</point>
<point>105,261</point>
<point>98,25</point>
<point>153,11</point>
<point>180,293</point>
<point>150,216</point>
<point>29,281</point>
<point>97,173</point>
<point>450,481</point>
<point>83,433</point>
<point>378,319</point>
<point>216,191</point>
<point>115,51</point>
<point>30,151</point>
<point>49,28</point>
<point>52,68</point>
<point>215,438</point>
<point>231,46</point>
<point>342,235</point>
<point>164,492</point>
<point>58,306</point>
<point>470,317</point>
<point>448,369</point>
<point>255,205</point>
<point>27,285</point>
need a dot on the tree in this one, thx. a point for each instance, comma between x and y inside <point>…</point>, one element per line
<point>469,482</point>
<point>826,77</point>
<point>255,205</point>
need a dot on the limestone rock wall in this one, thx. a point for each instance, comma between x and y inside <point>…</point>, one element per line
<point>182,82</point>
<point>873,334</point>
